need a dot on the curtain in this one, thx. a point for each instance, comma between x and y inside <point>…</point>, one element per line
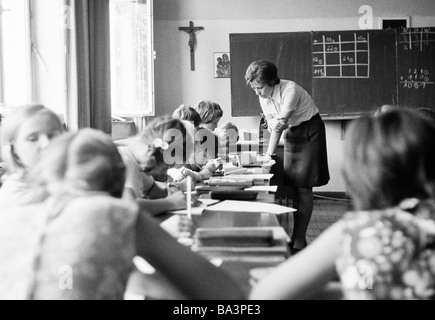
<point>91,61</point>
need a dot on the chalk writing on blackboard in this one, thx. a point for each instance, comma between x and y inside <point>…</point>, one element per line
<point>341,56</point>
<point>416,38</point>
<point>416,78</point>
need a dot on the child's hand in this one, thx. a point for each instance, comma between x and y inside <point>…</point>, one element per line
<point>195,175</point>
<point>179,226</point>
<point>195,200</point>
<point>177,200</point>
<point>176,174</point>
<point>217,162</point>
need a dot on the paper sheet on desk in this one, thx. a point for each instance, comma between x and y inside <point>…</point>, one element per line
<point>263,188</point>
<point>197,210</point>
<point>250,206</point>
<point>265,176</point>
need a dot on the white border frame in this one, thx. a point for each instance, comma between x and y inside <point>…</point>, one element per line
<point>406,18</point>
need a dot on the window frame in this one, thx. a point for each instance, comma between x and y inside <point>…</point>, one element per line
<point>150,107</point>
<point>29,64</point>
<point>404,19</point>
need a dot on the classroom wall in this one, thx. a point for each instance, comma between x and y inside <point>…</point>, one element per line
<point>175,83</point>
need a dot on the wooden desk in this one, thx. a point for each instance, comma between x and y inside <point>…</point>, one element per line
<point>284,220</point>
<point>261,197</point>
<point>283,192</point>
<point>155,286</point>
<point>217,219</point>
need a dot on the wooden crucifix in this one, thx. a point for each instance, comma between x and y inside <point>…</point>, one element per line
<point>191,30</point>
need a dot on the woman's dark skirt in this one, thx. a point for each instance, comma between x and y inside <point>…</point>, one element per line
<point>305,156</point>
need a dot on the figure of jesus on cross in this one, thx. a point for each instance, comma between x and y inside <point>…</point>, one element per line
<point>191,30</point>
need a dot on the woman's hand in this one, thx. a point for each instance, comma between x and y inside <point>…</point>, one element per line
<point>277,124</point>
<point>272,123</point>
<point>281,125</point>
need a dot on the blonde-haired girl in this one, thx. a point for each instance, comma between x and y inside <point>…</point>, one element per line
<point>26,132</point>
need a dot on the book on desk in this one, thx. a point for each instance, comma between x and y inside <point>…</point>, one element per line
<point>240,180</point>
<point>234,237</point>
<point>225,181</point>
<point>233,195</point>
<point>246,243</point>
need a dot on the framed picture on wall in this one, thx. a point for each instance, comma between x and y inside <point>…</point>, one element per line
<point>221,65</point>
<point>394,22</point>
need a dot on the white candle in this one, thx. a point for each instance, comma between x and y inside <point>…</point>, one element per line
<point>189,196</point>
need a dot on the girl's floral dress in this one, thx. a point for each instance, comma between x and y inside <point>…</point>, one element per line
<point>389,254</point>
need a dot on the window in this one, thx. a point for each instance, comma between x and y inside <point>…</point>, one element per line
<point>15,53</point>
<point>132,57</point>
<point>394,23</point>
<point>38,62</point>
<point>32,54</point>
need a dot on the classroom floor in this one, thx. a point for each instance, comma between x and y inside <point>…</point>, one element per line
<point>325,213</point>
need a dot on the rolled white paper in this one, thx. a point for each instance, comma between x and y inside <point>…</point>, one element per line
<point>189,196</point>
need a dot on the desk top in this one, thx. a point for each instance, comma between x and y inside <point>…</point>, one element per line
<point>265,202</point>
<point>154,284</point>
<point>219,219</point>
<point>224,214</point>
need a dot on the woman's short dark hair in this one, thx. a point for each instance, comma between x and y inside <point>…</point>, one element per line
<point>262,71</point>
<point>389,158</point>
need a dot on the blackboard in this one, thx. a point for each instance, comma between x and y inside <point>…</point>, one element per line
<point>348,73</point>
<point>416,67</point>
<point>291,52</point>
<point>358,71</point>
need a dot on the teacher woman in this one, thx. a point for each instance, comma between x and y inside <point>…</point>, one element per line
<point>290,109</point>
